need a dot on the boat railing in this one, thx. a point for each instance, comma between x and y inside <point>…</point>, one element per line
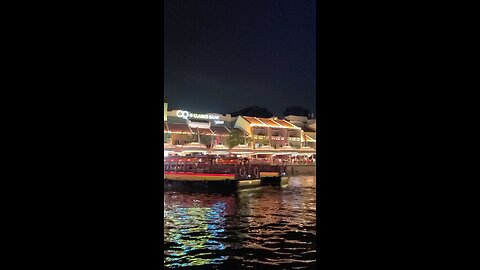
<point>247,171</point>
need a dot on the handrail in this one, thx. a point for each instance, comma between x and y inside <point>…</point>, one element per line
<point>190,167</point>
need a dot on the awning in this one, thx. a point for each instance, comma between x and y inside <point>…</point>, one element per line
<point>241,149</point>
<point>265,150</point>
<point>194,147</point>
<point>203,131</point>
<point>286,150</point>
<point>219,150</point>
<point>308,138</point>
<point>306,150</point>
<point>220,131</point>
<point>269,122</point>
<point>178,128</point>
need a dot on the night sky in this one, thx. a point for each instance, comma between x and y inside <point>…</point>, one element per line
<point>225,55</point>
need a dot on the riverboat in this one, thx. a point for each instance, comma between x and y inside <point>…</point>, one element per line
<point>213,172</point>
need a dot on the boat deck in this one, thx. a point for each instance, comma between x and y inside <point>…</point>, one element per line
<point>201,174</point>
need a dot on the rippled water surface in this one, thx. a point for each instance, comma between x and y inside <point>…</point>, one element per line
<point>265,228</point>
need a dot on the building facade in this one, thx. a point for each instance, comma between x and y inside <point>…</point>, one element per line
<point>211,129</point>
<point>309,127</point>
<point>270,131</point>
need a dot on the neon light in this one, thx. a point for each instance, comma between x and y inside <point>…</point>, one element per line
<point>187,115</point>
<point>183,114</point>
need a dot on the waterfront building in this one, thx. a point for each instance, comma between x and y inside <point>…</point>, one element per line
<point>186,133</point>
<point>309,127</point>
<point>209,129</point>
<point>270,131</point>
<point>310,137</point>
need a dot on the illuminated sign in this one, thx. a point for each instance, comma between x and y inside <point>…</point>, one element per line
<point>188,115</point>
<point>183,114</point>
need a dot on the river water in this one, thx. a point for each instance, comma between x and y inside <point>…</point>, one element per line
<point>264,228</point>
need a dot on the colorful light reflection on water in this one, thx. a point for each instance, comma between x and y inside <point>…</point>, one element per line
<point>269,227</point>
<point>193,229</point>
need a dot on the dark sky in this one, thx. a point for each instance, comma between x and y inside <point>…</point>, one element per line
<point>225,55</point>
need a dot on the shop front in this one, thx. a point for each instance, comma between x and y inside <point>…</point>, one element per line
<point>183,127</point>
<point>270,131</point>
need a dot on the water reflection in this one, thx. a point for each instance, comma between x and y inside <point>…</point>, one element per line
<point>191,228</point>
<point>266,227</point>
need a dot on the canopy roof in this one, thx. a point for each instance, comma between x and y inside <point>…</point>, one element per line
<point>194,147</point>
<point>241,149</point>
<point>287,150</point>
<point>265,150</point>
<point>306,150</point>
<point>176,128</point>
<point>220,130</point>
<point>308,138</point>
<point>269,122</point>
<point>219,149</point>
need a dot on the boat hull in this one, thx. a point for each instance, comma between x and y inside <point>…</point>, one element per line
<point>218,182</point>
<point>275,181</point>
<point>197,176</point>
<point>269,174</point>
<point>201,182</point>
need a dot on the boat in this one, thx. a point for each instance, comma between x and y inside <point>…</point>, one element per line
<point>213,172</point>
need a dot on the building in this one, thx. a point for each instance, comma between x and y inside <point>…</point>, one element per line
<point>270,131</point>
<point>299,121</point>
<point>183,127</point>
<point>302,121</point>
<point>309,127</point>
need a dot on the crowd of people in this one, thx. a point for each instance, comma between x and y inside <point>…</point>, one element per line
<point>277,161</point>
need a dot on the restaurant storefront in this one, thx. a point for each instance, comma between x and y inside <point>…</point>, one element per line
<point>212,130</point>
<point>270,131</point>
<point>183,127</point>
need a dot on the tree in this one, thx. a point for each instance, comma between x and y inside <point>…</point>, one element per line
<point>235,138</point>
<point>254,111</point>
<point>191,138</point>
<point>206,140</point>
<point>296,110</point>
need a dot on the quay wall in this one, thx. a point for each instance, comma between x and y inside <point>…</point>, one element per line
<point>294,170</point>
